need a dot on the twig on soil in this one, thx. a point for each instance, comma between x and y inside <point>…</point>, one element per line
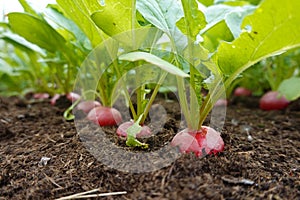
<point>52,181</point>
<point>50,139</point>
<point>84,195</point>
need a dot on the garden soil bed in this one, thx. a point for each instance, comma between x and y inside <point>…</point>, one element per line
<point>266,167</point>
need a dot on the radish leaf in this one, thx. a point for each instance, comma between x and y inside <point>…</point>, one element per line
<point>79,11</point>
<point>290,88</point>
<point>163,15</point>
<point>273,28</point>
<point>233,16</point>
<point>115,17</point>
<point>81,39</point>
<point>132,131</point>
<point>21,43</point>
<point>150,58</point>
<point>194,17</point>
<point>36,31</point>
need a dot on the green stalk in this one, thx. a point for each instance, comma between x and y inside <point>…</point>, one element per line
<point>152,98</point>
<point>193,100</point>
<point>38,78</point>
<point>104,99</point>
<point>115,64</point>
<point>213,96</point>
<point>183,101</point>
<point>181,87</point>
<point>71,61</point>
<point>139,94</point>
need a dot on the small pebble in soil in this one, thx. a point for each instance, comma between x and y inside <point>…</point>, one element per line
<point>246,128</point>
<point>234,180</point>
<point>249,138</point>
<point>44,161</point>
<point>21,116</point>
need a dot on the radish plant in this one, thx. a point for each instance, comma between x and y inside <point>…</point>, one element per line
<point>257,39</point>
<point>54,44</point>
<point>20,70</point>
<point>247,39</point>
<point>140,45</point>
<point>277,76</point>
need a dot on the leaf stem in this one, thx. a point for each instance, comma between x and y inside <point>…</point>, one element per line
<point>193,99</point>
<point>153,95</point>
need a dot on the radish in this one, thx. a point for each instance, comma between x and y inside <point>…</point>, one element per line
<point>87,106</point>
<point>221,102</point>
<point>202,142</point>
<point>272,100</point>
<point>54,99</point>
<point>104,116</point>
<point>242,92</point>
<point>145,131</point>
<point>41,96</point>
<point>72,96</point>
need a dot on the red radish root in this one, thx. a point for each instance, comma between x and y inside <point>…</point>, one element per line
<point>221,102</point>
<point>54,99</point>
<point>272,100</point>
<point>202,142</point>
<point>242,92</point>
<point>104,116</point>
<point>73,96</point>
<point>87,106</point>
<point>41,96</point>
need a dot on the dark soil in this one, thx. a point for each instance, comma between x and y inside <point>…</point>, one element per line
<point>266,166</point>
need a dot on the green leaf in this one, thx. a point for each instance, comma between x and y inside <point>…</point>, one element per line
<point>80,11</point>
<point>5,68</point>
<point>164,15</point>
<point>232,15</point>
<point>132,131</point>
<point>133,142</point>
<point>28,8</point>
<point>115,17</point>
<point>290,88</point>
<point>273,28</point>
<point>215,35</point>
<point>21,43</point>
<point>150,58</point>
<point>206,2</point>
<point>10,85</point>
<point>194,19</point>
<point>36,31</point>
<point>65,23</point>
<point>254,2</point>
<point>4,25</point>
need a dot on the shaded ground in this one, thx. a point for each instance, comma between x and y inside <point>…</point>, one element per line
<point>268,167</point>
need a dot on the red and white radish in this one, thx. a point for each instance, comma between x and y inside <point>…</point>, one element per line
<point>272,100</point>
<point>105,116</point>
<point>221,102</point>
<point>54,99</point>
<point>41,96</point>
<point>201,142</point>
<point>242,92</point>
<point>87,106</point>
<point>72,96</point>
